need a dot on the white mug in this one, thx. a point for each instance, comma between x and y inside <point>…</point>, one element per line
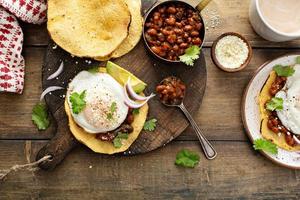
<point>262,28</point>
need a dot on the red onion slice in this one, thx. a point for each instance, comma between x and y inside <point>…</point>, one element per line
<point>58,72</point>
<point>134,95</point>
<point>296,139</point>
<point>135,105</point>
<point>50,89</point>
<point>130,103</point>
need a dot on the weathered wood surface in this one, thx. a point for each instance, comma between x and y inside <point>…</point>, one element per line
<point>242,174</point>
<point>238,172</point>
<point>221,101</point>
<point>233,16</point>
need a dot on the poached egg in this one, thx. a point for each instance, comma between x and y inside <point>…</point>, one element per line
<point>102,91</point>
<point>290,114</point>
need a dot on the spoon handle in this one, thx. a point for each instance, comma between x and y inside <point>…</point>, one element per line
<point>208,149</point>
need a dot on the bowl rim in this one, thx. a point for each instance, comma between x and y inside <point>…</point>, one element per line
<point>218,64</point>
<point>158,3</point>
<point>243,108</point>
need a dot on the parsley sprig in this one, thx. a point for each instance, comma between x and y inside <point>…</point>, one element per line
<point>150,125</point>
<point>187,158</point>
<point>78,101</point>
<point>113,108</point>
<point>275,103</point>
<point>191,54</point>
<point>40,116</point>
<point>284,70</point>
<point>118,139</point>
<point>265,145</point>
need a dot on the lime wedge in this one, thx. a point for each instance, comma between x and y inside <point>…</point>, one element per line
<point>122,75</point>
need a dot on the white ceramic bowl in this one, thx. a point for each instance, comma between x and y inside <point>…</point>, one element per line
<point>263,28</point>
<point>251,114</point>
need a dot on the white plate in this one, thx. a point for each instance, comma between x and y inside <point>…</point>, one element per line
<point>251,115</point>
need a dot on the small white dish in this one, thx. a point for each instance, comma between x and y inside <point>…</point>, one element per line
<point>251,114</point>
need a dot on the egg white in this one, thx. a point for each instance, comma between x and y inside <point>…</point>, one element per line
<point>101,91</point>
<point>290,115</point>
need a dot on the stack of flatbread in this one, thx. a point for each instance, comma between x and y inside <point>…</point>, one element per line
<point>99,29</point>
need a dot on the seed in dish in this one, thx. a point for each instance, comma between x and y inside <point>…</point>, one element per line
<point>98,111</point>
<point>172,28</point>
<point>280,107</point>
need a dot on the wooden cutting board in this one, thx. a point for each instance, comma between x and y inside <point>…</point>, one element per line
<point>171,122</point>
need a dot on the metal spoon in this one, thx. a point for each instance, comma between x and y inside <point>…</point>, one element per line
<point>208,149</point>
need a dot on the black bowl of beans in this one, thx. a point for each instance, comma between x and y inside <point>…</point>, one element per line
<point>170,28</point>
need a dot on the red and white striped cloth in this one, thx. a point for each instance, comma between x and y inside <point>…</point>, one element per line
<point>12,64</point>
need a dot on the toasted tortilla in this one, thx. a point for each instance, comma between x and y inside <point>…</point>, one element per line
<point>93,28</point>
<point>265,131</point>
<point>135,31</point>
<point>106,147</point>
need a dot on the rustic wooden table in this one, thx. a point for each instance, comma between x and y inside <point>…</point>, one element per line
<point>239,172</point>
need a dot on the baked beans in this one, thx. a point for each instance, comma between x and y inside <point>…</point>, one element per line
<point>171,90</point>
<point>171,28</point>
<point>274,122</point>
<point>124,128</point>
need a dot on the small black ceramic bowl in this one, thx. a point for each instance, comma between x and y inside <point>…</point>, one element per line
<point>189,4</point>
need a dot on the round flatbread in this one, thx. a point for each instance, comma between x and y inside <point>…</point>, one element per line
<point>93,28</point>
<point>105,147</point>
<point>268,134</point>
<point>135,31</point>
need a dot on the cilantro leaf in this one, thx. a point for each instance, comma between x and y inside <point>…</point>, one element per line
<point>191,54</point>
<point>136,111</point>
<point>78,102</point>
<point>284,70</point>
<point>150,125</point>
<point>118,139</point>
<point>265,145</point>
<point>275,104</point>
<point>93,70</point>
<point>40,116</point>
<point>298,60</point>
<point>187,158</point>
<point>113,108</point>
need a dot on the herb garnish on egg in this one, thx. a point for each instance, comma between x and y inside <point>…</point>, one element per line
<point>113,108</point>
<point>78,102</point>
<point>275,103</point>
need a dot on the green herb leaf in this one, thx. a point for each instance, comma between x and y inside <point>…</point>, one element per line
<point>275,104</point>
<point>40,116</point>
<point>113,108</point>
<point>298,60</point>
<point>78,102</point>
<point>191,54</point>
<point>284,70</point>
<point>93,70</point>
<point>150,125</point>
<point>187,158</point>
<point>118,139</point>
<point>136,111</point>
<point>265,145</point>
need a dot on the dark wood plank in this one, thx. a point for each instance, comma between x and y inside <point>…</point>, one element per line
<point>237,173</point>
<point>171,122</point>
<point>16,109</point>
<point>233,16</point>
<point>221,101</point>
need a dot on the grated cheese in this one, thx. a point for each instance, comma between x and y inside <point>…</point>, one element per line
<point>231,51</point>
